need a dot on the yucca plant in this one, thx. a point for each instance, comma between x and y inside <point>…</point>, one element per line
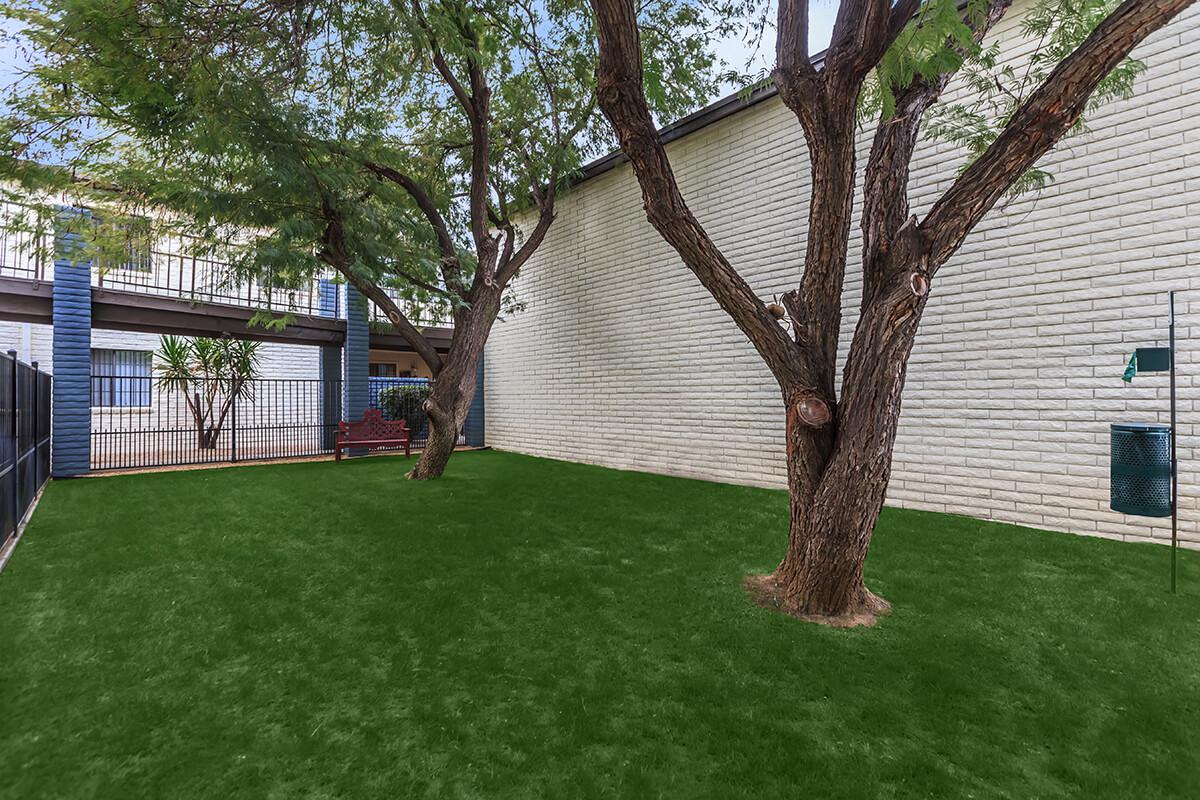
<point>210,374</point>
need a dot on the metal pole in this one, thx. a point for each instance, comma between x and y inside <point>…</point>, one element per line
<point>233,432</point>
<point>1174,436</point>
<point>16,444</point>
<point>37,462</point>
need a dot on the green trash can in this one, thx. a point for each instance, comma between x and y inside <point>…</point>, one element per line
<point>1140,470</point>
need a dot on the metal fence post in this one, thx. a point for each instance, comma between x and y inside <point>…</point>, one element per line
<point>233,432</point>
<point>1174,451</point>
<point>16,445</point>
<point>37,462</point>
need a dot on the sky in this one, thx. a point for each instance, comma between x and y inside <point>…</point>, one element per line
<point>9,57</point>
<point>741,56</point>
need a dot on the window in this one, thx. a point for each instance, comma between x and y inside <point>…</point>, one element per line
<point>121,378</point>
<point>382,370</point>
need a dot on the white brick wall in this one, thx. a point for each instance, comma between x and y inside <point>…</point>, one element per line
<point>622,359</point>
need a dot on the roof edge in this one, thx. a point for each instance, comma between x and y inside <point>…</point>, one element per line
<point>713,112</point>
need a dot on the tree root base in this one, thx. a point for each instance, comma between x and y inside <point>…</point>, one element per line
<point>414,475</point>
<point>768,591</point>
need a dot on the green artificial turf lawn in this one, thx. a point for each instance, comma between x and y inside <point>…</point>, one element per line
<point>533,628</point>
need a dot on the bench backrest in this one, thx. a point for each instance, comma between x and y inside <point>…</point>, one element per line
<point>374,426</point>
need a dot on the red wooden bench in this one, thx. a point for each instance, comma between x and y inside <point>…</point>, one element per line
<point>370,432</point>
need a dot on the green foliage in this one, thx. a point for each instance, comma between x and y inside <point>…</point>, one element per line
<point>380,326</point>
<point>270,321</point>
<point>211,375</point>
<point>404,401</point>
<point>231,363</point>
<point>934,43</point>
<point>997,89</point>
<point>119,242</point>
<point>244,123</point>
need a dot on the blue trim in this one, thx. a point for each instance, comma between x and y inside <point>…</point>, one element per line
<point>356,397</point>
<point>71,414</point>
<point>474,426</point>
<point>327,298</point>
<point>330,367</point>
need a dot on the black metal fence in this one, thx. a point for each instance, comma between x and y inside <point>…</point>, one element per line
<point>180,266</point>
<point>138,422</point>
<point>24,440</point>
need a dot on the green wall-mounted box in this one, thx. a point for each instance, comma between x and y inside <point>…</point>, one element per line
<point>1153,359</point>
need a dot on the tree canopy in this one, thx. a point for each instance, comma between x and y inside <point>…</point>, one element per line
<point>416,123</point>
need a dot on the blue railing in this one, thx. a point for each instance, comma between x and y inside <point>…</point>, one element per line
<point>401,398</point>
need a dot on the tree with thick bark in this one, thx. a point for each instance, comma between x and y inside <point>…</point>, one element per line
<point>390,141</point>
<point>895,59</point>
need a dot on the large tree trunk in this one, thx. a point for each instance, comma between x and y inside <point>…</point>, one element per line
<point>831,523</point>
<point>821,575</point>
<point>443,436</point>
<point>446,409</point>
<point>454,386</point>
<point>839,451</point>
<point>834,508</point>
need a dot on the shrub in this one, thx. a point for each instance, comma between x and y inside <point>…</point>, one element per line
<point>403,401</point>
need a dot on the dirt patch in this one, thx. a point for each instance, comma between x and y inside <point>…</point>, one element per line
<point>766,591</point>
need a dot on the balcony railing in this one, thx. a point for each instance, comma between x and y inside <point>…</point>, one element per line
<point>25,251</point>
<point>173,266</point>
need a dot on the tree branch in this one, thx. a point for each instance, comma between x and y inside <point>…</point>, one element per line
<point>429,287</point>
<point>510,262</point>
<point>1045,117</point>
<point>791,42</point>
<point>860,38</point>
<point>440,63</point>
<point>826,104</point>
<point>480,140</point>
<point>901,14</point>
<point>451,265</point>
<point>333,253</point>
<point>885,181</point>
<point>623,101</point>
<point>476,104</point>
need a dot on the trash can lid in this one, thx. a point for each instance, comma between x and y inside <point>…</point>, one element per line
<point>1140,427</point>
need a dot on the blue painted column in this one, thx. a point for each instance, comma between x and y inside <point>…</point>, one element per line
<point>473,427</point>
<point>356,354</point>
<point>330,368</point>
<point>71,416</point>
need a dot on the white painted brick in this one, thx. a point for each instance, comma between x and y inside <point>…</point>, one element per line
<point>621,358</point>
